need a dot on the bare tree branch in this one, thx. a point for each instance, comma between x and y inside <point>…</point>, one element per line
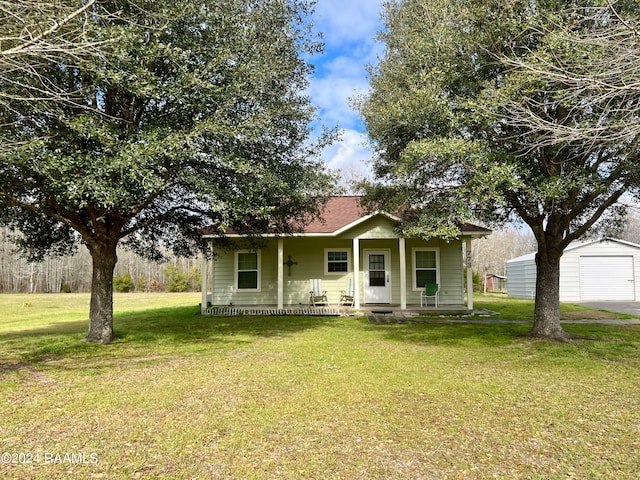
<point>36,44</point>
<point>603,80</point>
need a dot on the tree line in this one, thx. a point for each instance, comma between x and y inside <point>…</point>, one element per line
<point>72,273</point>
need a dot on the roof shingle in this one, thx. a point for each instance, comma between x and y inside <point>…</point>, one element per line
<point>340,212</point>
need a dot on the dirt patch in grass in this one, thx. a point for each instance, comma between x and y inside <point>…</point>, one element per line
<point>588,315</point>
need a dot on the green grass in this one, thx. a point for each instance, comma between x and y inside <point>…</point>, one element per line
<point>180,396</point>
<point>520,309</point>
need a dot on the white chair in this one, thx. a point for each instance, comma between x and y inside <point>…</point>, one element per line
<point>346,296</point>
<point>430,291</point>
<point>317,296</point>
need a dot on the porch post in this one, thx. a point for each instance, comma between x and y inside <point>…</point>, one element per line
<point>469,273</point>
<point>280,274</point>
<point>402,244</point>
<point>356,273</point>
<point>204,285</point>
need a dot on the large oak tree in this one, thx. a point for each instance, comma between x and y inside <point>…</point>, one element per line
<point>184,114</point>
<point>504,110</point>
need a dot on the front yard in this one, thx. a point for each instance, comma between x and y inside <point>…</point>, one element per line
<point>180,396</point>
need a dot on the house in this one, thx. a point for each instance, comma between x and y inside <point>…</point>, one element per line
<point>604,269</point>
<point>346,243</point>
<point>495,283</point>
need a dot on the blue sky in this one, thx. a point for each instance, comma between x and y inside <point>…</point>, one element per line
<point>349,28</point>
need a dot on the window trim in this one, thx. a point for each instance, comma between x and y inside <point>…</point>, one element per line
<point>414,268</point>
<point>236,271</point>
<point>326,260</point>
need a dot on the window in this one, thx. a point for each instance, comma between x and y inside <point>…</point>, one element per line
<point>337,261</point>
<point>247,270</point>
<point>425,270</point>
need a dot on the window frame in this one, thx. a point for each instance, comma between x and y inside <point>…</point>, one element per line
<point>326,260</point>
<point>237,271</point>
<point>414,267</point>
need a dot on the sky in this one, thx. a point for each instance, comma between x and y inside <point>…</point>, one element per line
<point>349,29</point>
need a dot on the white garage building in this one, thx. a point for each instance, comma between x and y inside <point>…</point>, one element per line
<point>604,269</point>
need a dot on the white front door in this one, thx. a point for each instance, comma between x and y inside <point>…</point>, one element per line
<point>377,276</point>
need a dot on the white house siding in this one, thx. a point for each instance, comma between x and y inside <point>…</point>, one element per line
<point>610,266</point>
<point>521,277</point>
<point>451,271</point>
<point>224,291</point>
<point>379,232</point>
<point>309,255</point>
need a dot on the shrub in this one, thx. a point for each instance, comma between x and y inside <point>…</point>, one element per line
<point>141,284</point>
<point>123,283</point>
<point>176,281</point>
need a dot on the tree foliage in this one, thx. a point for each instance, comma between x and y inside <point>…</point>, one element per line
<point>470,118</point>
<point>190,113</point>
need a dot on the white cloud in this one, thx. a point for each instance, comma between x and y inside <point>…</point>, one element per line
<point>347,21</point>
<point>331,95</point>
<point>349,28</point>
<point>350,155</point>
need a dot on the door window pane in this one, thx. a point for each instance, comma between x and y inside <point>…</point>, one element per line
<point>376,278</point>
<point>376,262</point>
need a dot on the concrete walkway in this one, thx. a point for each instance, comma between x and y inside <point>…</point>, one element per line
<point>630,308</point>
<point>483,317</point>
<point>485,321</point>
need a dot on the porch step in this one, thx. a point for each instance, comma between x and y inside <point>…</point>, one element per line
<point>314,311</point>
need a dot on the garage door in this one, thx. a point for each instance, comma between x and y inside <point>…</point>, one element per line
<point>606,278</point>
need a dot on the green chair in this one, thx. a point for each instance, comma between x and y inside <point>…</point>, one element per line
<point>430,291</point>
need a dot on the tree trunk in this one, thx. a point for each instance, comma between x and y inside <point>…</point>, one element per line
<point>101,308</point>
<point>546,321</point>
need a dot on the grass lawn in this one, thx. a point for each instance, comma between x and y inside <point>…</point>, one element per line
<point>180,396</point>
<point>518,309</point>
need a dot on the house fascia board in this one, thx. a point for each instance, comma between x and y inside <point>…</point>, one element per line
<point>521,258</point>
<point>474,234</point>
<point>599,240</point>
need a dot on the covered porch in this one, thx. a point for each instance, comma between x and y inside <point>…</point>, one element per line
<point>287,265</point>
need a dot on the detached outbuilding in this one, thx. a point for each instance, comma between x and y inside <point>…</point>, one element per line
<point>598,270</point>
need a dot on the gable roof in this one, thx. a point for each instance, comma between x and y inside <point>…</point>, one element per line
<point>343,213</point>
<point>340,214</point>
